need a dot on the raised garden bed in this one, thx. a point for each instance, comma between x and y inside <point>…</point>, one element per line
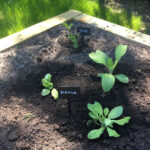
<point>29,121</point>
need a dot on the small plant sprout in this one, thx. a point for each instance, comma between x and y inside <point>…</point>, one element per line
<point>46,82</point>
<point>105,120</point>
<point>74,40</point>
<point>108,79</point>
<point>71,37</point>
<point>68,26</point>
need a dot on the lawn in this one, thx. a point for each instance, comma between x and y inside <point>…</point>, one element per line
<point>16,15</point>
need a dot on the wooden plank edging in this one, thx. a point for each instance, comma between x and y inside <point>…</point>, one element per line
<point>124,32</point>
<point>36,29</point>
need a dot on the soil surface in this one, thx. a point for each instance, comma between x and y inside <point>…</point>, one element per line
<point>29,121</point>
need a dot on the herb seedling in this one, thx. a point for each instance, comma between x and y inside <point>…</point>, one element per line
<point>46,82</point>
<point>71,37</point>
<point>68,26</point>
<point>108,79</point>
<point>105,119</point>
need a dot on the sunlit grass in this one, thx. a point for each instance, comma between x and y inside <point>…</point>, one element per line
<point>16,15</point>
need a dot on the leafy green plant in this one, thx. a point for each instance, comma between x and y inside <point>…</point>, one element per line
<point>74,40</point>
<point>108,79</point>
<point>105,119</point>
<point>46,82</point>
<point>71,37</point>
<point>68,26</point>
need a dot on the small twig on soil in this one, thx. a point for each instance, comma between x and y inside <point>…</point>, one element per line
<point>28,116</point>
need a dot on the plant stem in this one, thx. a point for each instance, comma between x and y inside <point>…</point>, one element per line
<point>115,64</point>
<point>96,122</point>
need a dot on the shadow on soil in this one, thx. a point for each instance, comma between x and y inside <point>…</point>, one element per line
<point>12,132</point>
<point>27,85</point>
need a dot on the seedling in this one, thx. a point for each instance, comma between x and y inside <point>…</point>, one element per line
<point>68,26</point>
<point>105,119</point>
<point>108,79</point>
<point>74,40</point>
<point>71,37</point>
<point>46,82</point>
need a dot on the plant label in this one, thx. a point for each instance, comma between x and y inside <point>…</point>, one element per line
<point>69,92</point>
<point>83,30</point>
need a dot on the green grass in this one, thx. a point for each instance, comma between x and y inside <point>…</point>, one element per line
<point>16,15</point>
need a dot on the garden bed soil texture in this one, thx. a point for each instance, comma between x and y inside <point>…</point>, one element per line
<point>29,121</point>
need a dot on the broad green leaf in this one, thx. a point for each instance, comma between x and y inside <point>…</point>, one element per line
<point>99,57</point>
<point>45,92</point>
<point>108,122</point>
<point>54,93</point>
<point>108,81</point>
<point>109,62</point>
<point>98,108</point>
<point>106,111</point>
<point>89,122</point>
<point>90,107</point>
<point>122,121</point>
<point>48,77</point>
<point>115,112</point>
<point>112,133</point>
<point>120,51</point>
<point>100,75</point>
<point>92,115</point>
<point>96,133</point>
<point>122,78</point>
<point>47,84</point>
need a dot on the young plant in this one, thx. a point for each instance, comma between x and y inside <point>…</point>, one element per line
<point>46,82</point>
<point>108,79</point>
<point>74,40</point>
<point>71,37</point>
<point>68,26</point>
<point>105,120</point>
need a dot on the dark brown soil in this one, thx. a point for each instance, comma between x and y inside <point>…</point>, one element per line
<point>30,122</point>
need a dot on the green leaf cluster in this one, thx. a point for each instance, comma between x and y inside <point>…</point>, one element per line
<point>74,40</point>
<point>108,79</point>
<point>48,87</point>
<point>68,26</point>
<point>105,119</point>
<point>71,37</point>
